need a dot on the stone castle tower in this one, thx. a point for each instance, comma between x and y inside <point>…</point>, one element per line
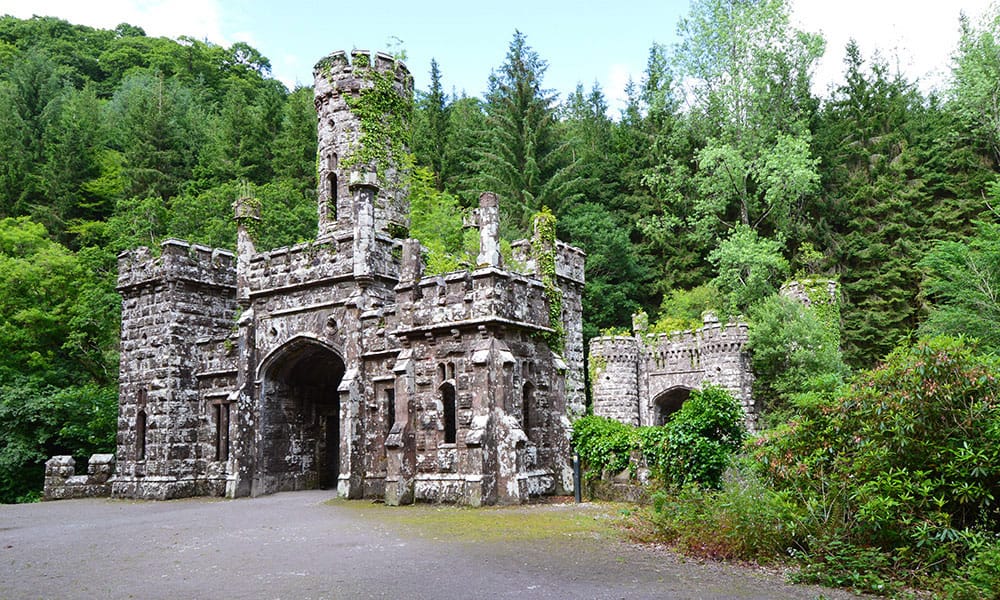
<point>338,363</point>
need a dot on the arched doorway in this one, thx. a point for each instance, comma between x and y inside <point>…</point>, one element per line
<point>667,403</point>
<point>299,419</point>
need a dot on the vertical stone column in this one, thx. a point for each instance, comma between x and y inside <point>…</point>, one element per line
<point>488,217</point>
<point>364,192</point>
<point>247,215</point>
<point>412,268</point>
<point>400,444</point>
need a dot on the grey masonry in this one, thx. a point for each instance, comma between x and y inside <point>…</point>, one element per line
<point>339,363</point>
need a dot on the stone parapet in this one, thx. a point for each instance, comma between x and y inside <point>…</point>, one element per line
<point>178,261</point>
<point>570,261</point>
<point>62,482</point>
<point>465,297</point>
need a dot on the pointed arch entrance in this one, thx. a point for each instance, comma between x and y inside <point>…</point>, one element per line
<point>669,402</point>
<point>299,429</point>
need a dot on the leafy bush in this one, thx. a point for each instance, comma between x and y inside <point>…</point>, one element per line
<point>701,436</point>
<point>789,348</point>
<point>603,444</point>
<point>744,520</point>
<point>905,462</point>
<point>693,447</point>
<point>683,309</point>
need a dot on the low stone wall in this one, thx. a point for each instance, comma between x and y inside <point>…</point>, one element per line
<point>629,485</point>
<point>62,482</point>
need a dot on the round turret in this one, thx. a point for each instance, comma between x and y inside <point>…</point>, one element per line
<point>348,89</point>
<point>614,377</point>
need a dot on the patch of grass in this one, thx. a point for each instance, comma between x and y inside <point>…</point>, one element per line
<point>504,523</point>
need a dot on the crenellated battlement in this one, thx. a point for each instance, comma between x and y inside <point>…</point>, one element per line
<point>617,349</point>
<point>178,261</point>
<point>570,260</point>
<point>486,294</point>
<point>317,261</point>
<point>649,366</point>
<point>340,72</point>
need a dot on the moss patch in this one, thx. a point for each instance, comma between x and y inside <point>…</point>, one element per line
<point>590,520</point>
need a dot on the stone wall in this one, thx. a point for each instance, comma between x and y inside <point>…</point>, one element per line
<point>166,438</point>
<point>337,76</point>
<point>641,379</point>
<point>62,482</point>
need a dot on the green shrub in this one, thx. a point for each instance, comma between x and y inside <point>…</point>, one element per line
<point>701,436</point>
<point>744,520</point>
<point>905,462</point>
<point>603,444</point>
<point>693,447</point>
<point>789,347</point>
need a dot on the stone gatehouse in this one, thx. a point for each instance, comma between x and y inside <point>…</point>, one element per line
<point>642,379</point>
<point>339,363</point>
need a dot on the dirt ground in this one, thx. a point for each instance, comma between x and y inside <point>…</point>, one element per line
<point>305,545</point>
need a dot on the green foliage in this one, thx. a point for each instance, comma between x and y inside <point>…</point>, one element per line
<point>58,391</point>
<point>749,268</point>
<point>701,437</point>
<point>384,115</point>
<point>976,70</point>
<point>692,448</point>
<point>961,279</point>
<point>525,162</point>
<point>790,348</point>
<point>615,276</point>
<point>743,520</point>
<point>747,75</point>
<point>902,463</point>
<point>436,220</point>
<point>543,251</point>
<point>684,309</point>
<point>603,444</point>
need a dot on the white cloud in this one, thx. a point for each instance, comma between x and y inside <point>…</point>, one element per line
<point>614,87</point>
<point>918,37</point>
<point>199,19</point>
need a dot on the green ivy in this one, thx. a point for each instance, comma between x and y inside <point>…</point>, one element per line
<point>384,115</point>
<point>826,308</point>
<point>543,250</point>
<point>693,448</point>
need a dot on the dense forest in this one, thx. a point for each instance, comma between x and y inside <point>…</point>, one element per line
<point>724,176</point>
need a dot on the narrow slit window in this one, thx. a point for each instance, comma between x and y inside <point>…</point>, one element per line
<point>222,431</point>
<point>448,408</point>
<point>527,399</point>
<point>390,408</point>
<point>140,435</point>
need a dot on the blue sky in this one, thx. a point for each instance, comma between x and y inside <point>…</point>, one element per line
<point>583,41</point>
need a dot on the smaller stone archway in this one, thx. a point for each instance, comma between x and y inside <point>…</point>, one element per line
<point>668,402</point>
<point>299,411</point>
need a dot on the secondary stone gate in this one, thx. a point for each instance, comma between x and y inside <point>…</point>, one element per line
<point>644,378</point>
<point>338,363</point>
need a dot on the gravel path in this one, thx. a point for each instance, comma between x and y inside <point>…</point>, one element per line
<point>299,546</point>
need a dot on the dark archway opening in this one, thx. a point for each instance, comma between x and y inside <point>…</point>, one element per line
<point>300,420</point>
<point>668,403</point>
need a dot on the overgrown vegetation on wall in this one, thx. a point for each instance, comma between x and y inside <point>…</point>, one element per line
<point>693,448</point>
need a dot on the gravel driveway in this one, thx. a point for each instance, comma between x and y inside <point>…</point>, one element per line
<point>299,546</point>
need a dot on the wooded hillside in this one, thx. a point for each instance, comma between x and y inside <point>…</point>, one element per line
<point>723,176</point>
